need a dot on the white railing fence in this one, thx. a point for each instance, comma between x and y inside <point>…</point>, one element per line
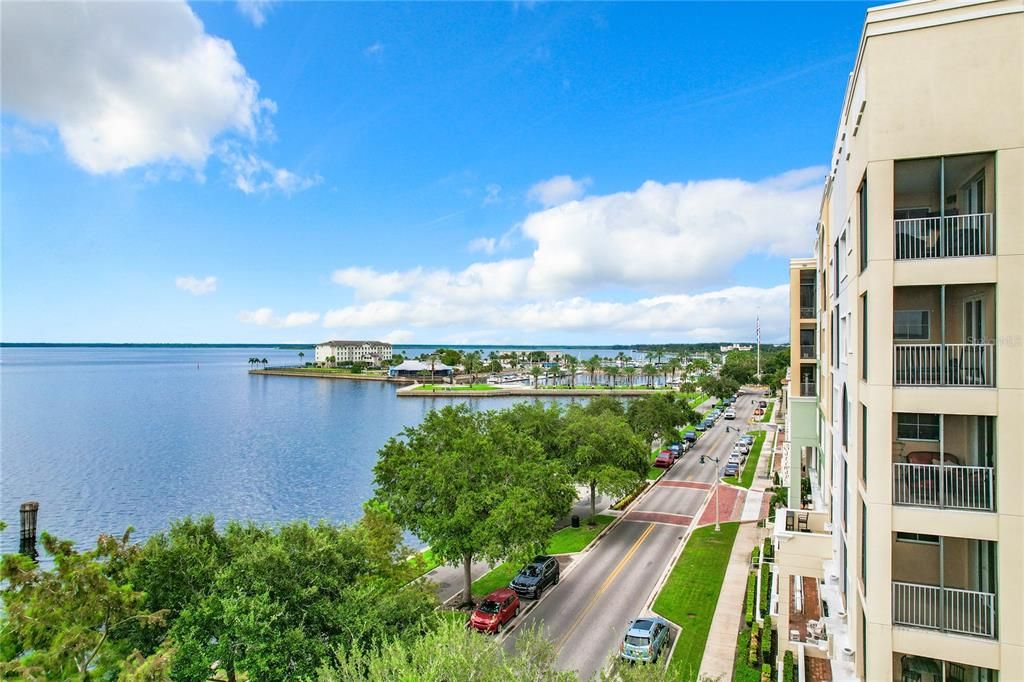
<point>951,486</point>
<point>952,236</point>
<point>952,364</point>
<point>967,612</point>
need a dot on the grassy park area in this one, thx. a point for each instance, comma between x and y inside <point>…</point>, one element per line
<point>746,477</point>
<point>690,594</point>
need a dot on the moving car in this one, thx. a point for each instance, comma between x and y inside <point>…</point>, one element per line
<point>496,609</point>
<point>664,459</point>
<point>535,577</point>
<point>645,639</point>
<point>730,414</point>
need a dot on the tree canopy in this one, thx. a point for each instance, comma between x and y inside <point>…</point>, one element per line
<point>472,486</point>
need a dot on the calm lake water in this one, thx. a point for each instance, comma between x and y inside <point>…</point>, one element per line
<point>106,438</point>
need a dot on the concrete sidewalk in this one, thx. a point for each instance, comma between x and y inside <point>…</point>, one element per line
<point>720,650</point>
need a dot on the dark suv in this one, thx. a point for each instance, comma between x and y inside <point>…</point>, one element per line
<point>535,577</point>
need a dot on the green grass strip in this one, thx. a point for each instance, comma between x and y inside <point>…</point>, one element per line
<point>690,594</point>
<point>746,478</point>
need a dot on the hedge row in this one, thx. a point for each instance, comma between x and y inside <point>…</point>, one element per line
<point>788,668</point>
<point>769,549</point>
<point>766,640</point>
<point>766,673</point>
<point>754,650</point>
<point>755,556</point>
<point>766,587</point>
<point>751,593</point>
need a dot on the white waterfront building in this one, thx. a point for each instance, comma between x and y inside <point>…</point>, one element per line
<point>370,352</point>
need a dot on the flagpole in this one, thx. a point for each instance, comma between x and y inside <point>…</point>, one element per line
<point>758,323</point>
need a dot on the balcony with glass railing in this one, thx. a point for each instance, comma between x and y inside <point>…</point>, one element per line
<point>944,584</point>
<point>942,207</point>
<point>944,461</point>
<point>944,336</point>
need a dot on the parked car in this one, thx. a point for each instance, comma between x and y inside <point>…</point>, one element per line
<point>676,449</point>
<point>708,423</point>
<point>741,447</point>
<point>763,403</point>
<point>701,426</point>
<point>690,437</point>
<point>731,469</point>
<point>735,458</point>
<point>645,640</point>
<point>495,611</point>
<point>730,414</point>
<point>748,439</point>
<point>535,577</point>
<point>665,459</point>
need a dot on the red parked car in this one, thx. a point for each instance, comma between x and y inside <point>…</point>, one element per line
<point>497,609</point>
<point>664,459</point>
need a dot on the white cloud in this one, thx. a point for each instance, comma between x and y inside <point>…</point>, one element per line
<point>492,194</point>
<point>138,84</point>
<point>255,10</point>
<point>557,190</point>
<point>22,139</point>
<point>252,174</point>
<point>375,49</point>
<point>197,286</point>
<point>661,241</point>
<point>398,336</point>
<point>264,317</point>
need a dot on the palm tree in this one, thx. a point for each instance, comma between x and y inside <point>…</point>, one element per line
<point>592,365</point>
<point>264,361</point>
<point>536,372</point>
<point>570,366</point>
<point>473,363</point>
<point>612,371</point>
<point>674,365</point>
<point>630,372</point>
<point>650,370</point>
<point>252,361</point>
<point>301,355</point>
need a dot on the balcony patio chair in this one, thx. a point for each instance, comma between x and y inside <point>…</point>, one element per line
<point>801,523</point>
<point>789,521</point>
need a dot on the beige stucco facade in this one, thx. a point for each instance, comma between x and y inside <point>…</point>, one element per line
<point>921,346</point>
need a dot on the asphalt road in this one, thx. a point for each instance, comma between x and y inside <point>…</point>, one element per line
<point>587,613</point>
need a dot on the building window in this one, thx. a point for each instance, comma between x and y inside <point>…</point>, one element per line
<point>911,325</point>
<point>834,331</point>
<point>846,495</point>
<point>864,337</point>
<point>846,419</point>
<point>835,270</point>
<point>863,443</point>
<point>921,538</point>
<point>862,201</point>
<point>915,426</point>
<point>864,546</point>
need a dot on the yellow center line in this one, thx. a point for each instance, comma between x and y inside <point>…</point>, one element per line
<point>604,586</point>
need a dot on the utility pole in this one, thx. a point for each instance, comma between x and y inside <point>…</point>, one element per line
<point>718,506</point>
<point>758,329</point>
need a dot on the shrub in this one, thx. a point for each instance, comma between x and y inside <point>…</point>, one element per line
<point>769,549</point>
<point>754,650</point>
<point>755,557</point>
<point>788,668</point>
<point>766,639</point>
<point>751,592</point>
<point>766,587</point>
<point>766,673</point>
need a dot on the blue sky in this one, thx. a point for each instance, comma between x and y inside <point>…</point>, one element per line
<point>429,173</point>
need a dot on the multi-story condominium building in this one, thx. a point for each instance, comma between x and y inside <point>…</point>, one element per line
<point>370,352</point>
<point>906,395</point>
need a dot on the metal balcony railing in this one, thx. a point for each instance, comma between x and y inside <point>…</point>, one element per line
<point>951,364</point>
<point>966,612</point>
<point>809,388</point>
<point>807,312</point>
<point>807,352</point>
<point>949,486</point>
<point>951,236</point>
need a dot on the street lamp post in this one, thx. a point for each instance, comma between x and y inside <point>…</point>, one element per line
<point>718,506</point>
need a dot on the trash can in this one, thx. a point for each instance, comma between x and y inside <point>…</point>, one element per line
<point>575,521</point>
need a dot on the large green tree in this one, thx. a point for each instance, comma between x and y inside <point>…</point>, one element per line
<point>63,623</point>
<point>472,486</point>
<point>603,453</point>
<point>659,416</point>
